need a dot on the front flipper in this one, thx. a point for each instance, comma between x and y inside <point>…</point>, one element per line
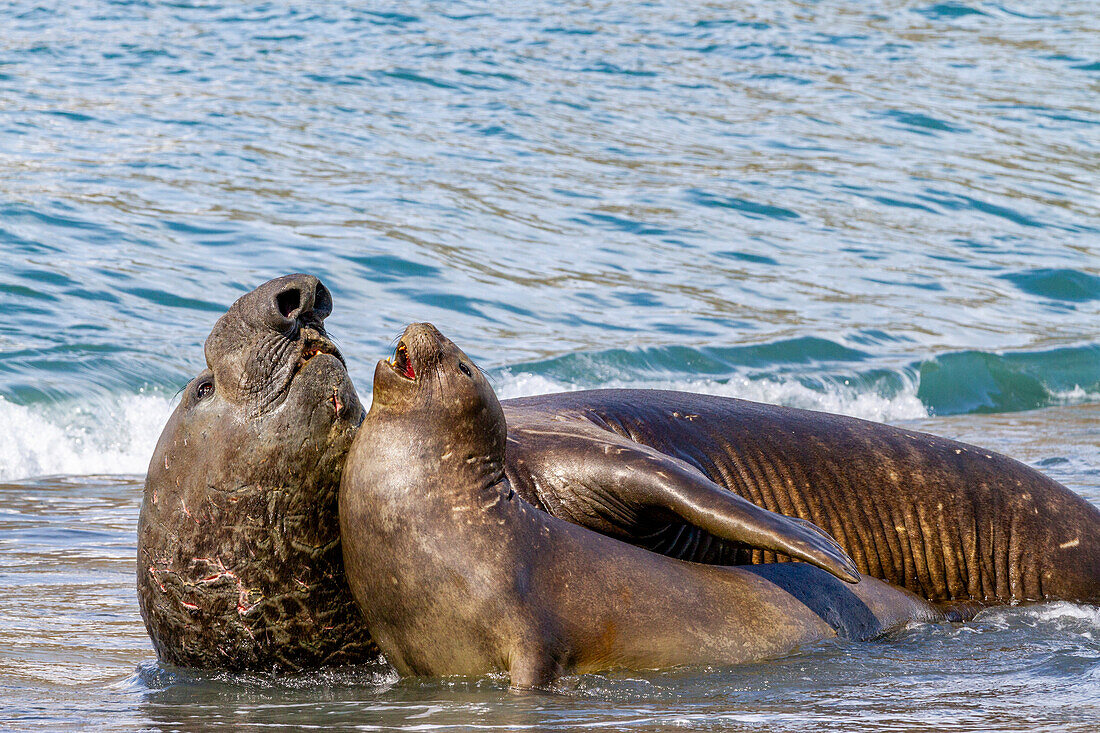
<point>628,490</point>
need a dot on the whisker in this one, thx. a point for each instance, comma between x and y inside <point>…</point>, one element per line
<point>492,379</point>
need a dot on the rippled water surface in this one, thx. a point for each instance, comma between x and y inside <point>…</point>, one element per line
<point>889,210</point>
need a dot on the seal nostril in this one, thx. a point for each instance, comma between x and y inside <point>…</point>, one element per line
<point>288,302</point>
<point>322,302</point>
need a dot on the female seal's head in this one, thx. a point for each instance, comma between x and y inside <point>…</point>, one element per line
<point>430,378</point>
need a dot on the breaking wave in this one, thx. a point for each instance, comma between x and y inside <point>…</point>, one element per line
<point>842,397</point>
<point>107,435</point>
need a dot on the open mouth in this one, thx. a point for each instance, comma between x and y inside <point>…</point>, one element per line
<point>316,347</point>
<point>401,362</point>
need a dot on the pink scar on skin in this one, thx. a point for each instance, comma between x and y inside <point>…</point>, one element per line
<point>153,572</point>
<point>243,606</point>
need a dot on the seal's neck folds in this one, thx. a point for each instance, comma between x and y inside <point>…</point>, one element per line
<point>404,455</point>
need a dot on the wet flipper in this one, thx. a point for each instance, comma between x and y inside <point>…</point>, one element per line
<point>625,489</point>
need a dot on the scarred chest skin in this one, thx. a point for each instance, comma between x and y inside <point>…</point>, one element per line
<point>239,563</point>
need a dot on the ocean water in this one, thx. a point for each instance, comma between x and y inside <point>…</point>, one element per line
<point>890,210</point>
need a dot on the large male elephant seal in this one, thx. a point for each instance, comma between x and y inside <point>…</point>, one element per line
<point>239,562</point>
<point>456,574</point>
<point>952,522</point>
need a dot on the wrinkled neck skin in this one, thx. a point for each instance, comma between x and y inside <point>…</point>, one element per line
<point>408,471</point>
<point>239,559</point>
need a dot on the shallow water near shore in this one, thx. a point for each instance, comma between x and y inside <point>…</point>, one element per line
<point>73,651</point>
<point>890,213</point>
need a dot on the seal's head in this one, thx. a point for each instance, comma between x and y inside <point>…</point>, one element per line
<point>239,563</point>
<point>431,379</point>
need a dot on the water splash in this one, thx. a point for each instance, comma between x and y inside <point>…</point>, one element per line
<point>109,435</point>
<point>845,397</point>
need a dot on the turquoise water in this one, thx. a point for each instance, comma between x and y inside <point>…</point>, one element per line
<point>889,211</point>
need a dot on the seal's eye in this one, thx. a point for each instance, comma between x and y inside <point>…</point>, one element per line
<point>205,390</point>
<point>465,369</point>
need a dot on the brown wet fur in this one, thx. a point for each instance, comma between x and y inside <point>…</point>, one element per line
<point>949,521</point>
<point>458,574</point>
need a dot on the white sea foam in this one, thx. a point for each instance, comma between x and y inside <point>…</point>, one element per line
<point>1066,612</point>
<point>839,398</point>
<point>1059,617</point>
<point>1076,396</point>
<point>116,435</point>
<point>110,435</point>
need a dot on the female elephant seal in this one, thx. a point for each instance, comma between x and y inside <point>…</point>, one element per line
<point>456,574</point>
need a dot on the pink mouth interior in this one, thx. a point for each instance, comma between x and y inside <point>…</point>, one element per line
<point>402,362</point>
